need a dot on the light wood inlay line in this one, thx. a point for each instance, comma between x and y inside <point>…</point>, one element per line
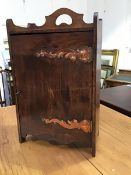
<point>84,125</point>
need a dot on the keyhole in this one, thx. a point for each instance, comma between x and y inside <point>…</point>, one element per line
<point>64,19</point>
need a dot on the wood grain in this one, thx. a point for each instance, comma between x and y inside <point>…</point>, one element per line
<point>57,88</point>
<point>41,158</point>
<point>38,157</point>
<point>114,144</point>
<point>50,24</point>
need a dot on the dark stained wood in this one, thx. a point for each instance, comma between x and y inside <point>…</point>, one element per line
<point>117,98</point>
<point>96,79</point>
<point>50,26</point>
<point>58,90</point>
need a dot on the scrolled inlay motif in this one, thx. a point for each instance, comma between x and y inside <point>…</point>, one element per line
<point>84,125</point>
<point>83,54</point>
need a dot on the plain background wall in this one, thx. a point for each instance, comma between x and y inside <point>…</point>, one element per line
<point>116,17</point>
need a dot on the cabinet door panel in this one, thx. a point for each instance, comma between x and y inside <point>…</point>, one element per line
<point>55,98</point>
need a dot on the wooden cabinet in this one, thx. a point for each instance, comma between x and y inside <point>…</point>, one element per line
<point>56,71</point>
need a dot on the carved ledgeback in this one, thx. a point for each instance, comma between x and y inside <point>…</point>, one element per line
<point>77,19</point>
<point>50,23</point>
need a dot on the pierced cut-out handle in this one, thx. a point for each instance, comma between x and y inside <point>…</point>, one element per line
<point>77,19</point>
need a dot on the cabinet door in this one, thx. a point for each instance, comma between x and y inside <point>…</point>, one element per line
<point>55,99</point>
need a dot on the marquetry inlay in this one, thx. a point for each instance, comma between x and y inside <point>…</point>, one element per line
<point>84,125</point>
<point>83,54</point>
